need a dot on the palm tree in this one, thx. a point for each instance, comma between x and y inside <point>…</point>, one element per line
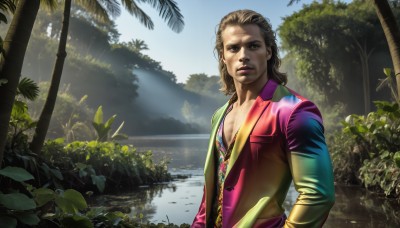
<point>168,10</point>
<point>138,45</point>
<point>14,47</point>
<point>392,34</point>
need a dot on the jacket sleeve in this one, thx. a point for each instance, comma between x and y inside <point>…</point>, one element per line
<point>310,166</point>
<point>200,218</point>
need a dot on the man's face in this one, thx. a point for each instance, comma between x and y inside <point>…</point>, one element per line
<point>245,54</point>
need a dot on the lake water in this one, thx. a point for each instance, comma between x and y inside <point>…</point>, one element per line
<point>177,202</point>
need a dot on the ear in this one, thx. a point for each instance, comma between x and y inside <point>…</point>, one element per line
<point>269,53</point>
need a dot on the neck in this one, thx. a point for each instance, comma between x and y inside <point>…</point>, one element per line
<point>249,92</point>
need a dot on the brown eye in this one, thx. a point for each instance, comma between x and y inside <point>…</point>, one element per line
<point>254,46</point>
<point>233,48</point>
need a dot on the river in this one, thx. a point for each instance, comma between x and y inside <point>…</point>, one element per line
<point>177,202</point>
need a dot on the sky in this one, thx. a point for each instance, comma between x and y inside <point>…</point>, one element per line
<point>192,50</point>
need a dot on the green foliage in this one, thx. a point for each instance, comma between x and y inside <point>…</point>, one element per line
<point>390,82</point>
<point>203,84</point>
<point>60,208</point>
<point>89,171</point>
<point>396,158</point>
<point>107,165</point>
<point>28,89</point>
<point>6,6</point>
<point>103,129</point>
<point>367,149</point>
<point>71,117</point>
<point>16,173</point>
<point>20,120</point>
<point>332,49</point>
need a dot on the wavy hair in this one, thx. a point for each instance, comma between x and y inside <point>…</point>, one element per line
<point>248,17</point>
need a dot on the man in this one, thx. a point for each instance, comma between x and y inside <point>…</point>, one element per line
<point>263,138</point>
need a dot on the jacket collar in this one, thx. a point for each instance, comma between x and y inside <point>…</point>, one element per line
<point>252,117</point>
<point>254,114</point>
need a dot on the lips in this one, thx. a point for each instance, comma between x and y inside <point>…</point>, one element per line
<point>245,69</point>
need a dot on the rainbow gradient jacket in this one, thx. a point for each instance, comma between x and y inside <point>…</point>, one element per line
<point>281,140</point>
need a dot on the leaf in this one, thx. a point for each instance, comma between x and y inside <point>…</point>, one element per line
<point>99,181</point>
<point>77,221</point>
<point>387,71</point>
<point>98,117</point>
<point>71,201</point>
<point>17,201</point>
<point>28,218</point>
<point>109,122</point>
<point>3,18</point>
<point>19,109</point>
<point>83,99</point>
<point>117,135</point>
<point>57,174</point>
<point>16,173</point>
<point>396,158</point>
<point>28,89</point>
<point>8,222</point>
<point>43,196</point>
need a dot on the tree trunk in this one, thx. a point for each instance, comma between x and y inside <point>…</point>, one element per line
<point>15,44</point>
<point>364,56</point>
<point>45,117</point>
<point>392,34</point>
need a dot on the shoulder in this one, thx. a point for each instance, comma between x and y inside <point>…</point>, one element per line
<point>293,109</point>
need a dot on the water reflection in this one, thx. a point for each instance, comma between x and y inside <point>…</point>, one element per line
<point>175,202</point>
<point>356,207</point>
<point>178,202</point>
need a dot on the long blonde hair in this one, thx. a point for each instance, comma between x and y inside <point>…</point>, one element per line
<point>246,17</point>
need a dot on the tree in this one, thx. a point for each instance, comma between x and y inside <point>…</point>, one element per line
<point>391,30</point>
<point>137,45</point>
<point>392,34</point>
<point>14,46</point>
<point>168,11</point>
<point>44,119</point>
<point>334,48</point>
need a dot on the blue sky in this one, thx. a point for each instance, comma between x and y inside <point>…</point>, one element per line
<point>192,50</point>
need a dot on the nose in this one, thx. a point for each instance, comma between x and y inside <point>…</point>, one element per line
<point>243,55</point>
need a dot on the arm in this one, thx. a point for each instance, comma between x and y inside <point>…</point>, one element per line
<point>311,168</point>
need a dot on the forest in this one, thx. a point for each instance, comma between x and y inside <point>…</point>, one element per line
<point>62,115</point>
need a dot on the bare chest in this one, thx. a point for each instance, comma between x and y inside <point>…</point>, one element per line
<point>233,121</point>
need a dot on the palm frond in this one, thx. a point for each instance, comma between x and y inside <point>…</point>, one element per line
<point>95,8</point>
<point>3,18</point>
<point>28,89</point>
<point>292,1</point>
<point>50,5</point>
<point>135,10</point>
<point>8,6</point>
<point>113,7</point>
<point>170,12</point>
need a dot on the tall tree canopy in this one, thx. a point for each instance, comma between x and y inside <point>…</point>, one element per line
<point>334,49</point>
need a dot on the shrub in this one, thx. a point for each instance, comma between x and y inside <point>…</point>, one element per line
<point>122,166</point>
<point>367,149</point>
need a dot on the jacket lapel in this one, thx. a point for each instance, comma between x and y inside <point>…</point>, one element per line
<point>256,110</point>
<point>262,101</point>
<point>209,167</point>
